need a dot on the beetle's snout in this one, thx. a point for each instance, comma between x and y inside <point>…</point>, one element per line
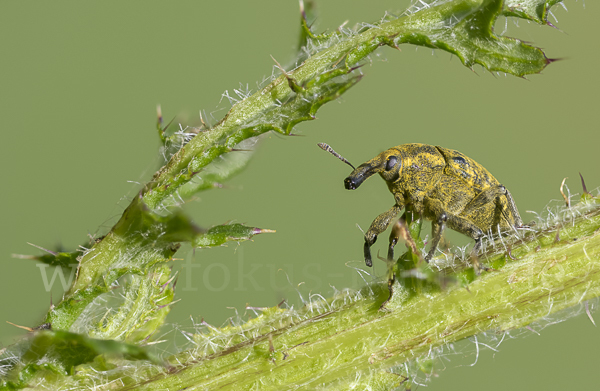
<point>350,184</point>
<point>358,176</point>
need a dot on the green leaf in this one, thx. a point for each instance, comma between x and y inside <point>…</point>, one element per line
<point>59,258</point>
<point>221,234</point>
<point>131,311</point>
<point>216,173</point>
<point>307,36</point>
<point>465,28</point>
<point>59,352</point>
<point>534,10</point>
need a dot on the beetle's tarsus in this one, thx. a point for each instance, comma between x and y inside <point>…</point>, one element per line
<point>367,250</point>
<point>391,281</point>
<point>390,254</point>
<point>378,225</point>
<point>394,236</point>
<point>437,230</point>
<point>475,259</point>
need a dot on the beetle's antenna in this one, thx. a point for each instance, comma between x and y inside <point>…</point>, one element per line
<point>327,148</point>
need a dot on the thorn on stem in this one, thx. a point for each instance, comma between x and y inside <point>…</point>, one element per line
<point>589,314</point>
<point>567,200</point>
<point>532,330</point>
<point>302,11</point>
<point>271,346</point>
<point>202,120</point>
<point>43,249</point>
<point>21,327</point>
<point>510,254</point>
<point>257,231</point>
<point>23,256</point>
<point>585,190</point>
<point>335,64</point>
<point>291,82</point>
<point>159,114</point>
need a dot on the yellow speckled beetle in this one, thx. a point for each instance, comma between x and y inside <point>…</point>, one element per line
<point>440,184</point>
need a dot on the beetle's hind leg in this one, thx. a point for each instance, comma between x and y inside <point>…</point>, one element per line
<point>486,197</point>
<point>513,209</point>
<point>493,195</point>
<point>378,225</point>
<point>435,209</point>
<point>477,266</point>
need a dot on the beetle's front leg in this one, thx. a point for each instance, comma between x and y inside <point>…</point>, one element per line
<point>437,229</point>
<point>379,225</point>
<point>394,237</point>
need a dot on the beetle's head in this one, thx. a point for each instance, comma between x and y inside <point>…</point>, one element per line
<point>388,164</point>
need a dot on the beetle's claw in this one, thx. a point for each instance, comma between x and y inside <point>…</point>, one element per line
<point>429,255</point>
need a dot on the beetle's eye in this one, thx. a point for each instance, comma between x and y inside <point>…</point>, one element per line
<point>391,162</point>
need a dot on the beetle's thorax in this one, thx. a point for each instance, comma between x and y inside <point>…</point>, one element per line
<point>422,166</point>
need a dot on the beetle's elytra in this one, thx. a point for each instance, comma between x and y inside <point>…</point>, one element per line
<point>442,185</point>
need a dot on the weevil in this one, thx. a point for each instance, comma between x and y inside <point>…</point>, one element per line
<point>440,184</point>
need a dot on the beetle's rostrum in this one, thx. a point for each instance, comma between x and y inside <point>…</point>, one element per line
<point>358,176</point>
<point>440,184</point>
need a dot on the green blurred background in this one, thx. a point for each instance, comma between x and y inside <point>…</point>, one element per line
<point>79,84</point>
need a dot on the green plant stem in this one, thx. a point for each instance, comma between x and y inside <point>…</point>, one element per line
<point>462,27</point>
<point>549,276</point>
<point>326,341</point>
<point>149,225</point>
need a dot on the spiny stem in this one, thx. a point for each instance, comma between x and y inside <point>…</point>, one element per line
<point>340,340</point>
